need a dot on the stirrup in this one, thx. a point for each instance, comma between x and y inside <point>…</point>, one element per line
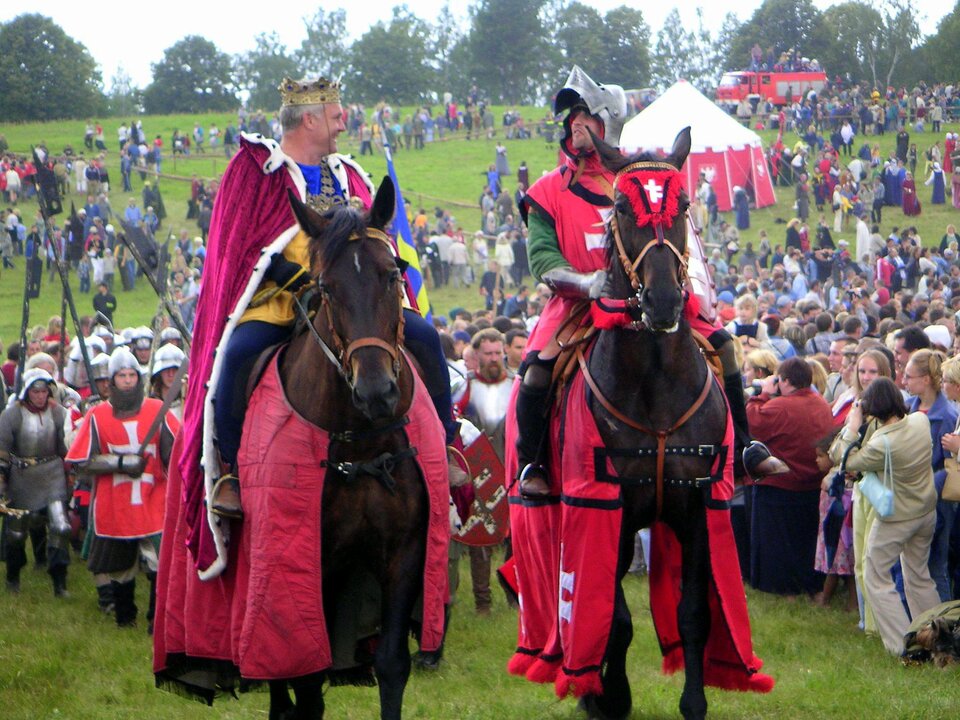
<point>533,481</point>
<point>758,463</point>
<point>226,498</point>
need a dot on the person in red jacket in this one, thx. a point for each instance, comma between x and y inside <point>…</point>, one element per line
<point>790,418</point>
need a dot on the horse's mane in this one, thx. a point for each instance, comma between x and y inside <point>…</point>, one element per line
<point>340,224</point>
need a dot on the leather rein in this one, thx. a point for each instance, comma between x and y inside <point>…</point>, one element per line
<point>631,267</point>
<point>343,350</point>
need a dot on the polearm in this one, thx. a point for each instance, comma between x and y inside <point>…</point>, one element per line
<point>63,328</point>
<point>24,316</point>
<point>48,197</point>
<point>172,310</point>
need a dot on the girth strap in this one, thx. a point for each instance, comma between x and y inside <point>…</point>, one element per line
<point>660,435</point>
<point>380,468</point>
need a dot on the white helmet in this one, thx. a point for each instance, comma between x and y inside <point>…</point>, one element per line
<point>123,359</point>
<point>34,376</point>
<point>93,343</point>
<point>142,338</point>
<point>102,331</point>
<point>170,334</point>
<point>166,357</point>
<point>101,367</point>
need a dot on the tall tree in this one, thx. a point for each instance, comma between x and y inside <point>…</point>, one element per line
<point>674,56</point>
<point>782,25</point>
<point>899,34</point>
<point>193,77</point>
<point>124,97</point>
<point>626,36</point>
<point>941,51</point>
<point>324,51</point>
<point>507,49</point>
<point>261,71</point>
<point>853,26</point>
<point>44,74</point>
<point>446,43</point>
<point>390,62</point>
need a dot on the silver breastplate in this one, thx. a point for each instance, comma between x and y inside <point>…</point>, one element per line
<point>488,403</point>
<point>38,435</point>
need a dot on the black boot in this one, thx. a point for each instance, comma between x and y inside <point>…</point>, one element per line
<point>750,457</point>
<point>105,598</point>
<point>59,575</point>
<point>431,660</point>
<point>152,606</point>
<point>16,557</point>
<point>126,607</point>
<point>532,408</point>
<point>13,579</point>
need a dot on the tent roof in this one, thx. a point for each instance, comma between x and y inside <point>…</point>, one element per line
<point>682,104</point>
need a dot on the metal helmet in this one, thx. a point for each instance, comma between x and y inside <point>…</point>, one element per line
<point>142,338</point>
<point>93,343</point>
<point>170,334</point>
<point>166,357</point>
<point>607,102</point>
<point>123,359</point>
<point>101,367</point>
<point>102,331</point>
<point>36,375</point>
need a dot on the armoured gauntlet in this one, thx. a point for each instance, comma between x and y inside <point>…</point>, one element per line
<point>569,283</point>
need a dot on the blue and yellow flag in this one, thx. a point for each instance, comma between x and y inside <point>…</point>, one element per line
<point>405,244</point>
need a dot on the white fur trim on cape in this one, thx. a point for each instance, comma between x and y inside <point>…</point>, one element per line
<point>210,458</point>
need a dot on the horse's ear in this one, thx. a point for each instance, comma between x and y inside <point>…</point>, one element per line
<point>609,155</point>
<point>681,148</point>
<point>384,204</point>
<point>310,220</point>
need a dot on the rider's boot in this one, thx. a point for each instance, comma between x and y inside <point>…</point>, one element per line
<point>225,500</point>
<point>533,402</point>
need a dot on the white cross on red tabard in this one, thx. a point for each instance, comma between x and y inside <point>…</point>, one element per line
<point>133,444</point>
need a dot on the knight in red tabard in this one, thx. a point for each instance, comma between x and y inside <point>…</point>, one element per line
<point>566,213</point>
<point>129,488</point>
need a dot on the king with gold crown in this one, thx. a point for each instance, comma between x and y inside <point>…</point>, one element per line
<point>257,260</point>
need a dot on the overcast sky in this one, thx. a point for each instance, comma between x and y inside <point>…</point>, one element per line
<point>133,35</point>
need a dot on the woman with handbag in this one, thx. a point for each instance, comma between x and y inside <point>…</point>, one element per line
<point>869,365</point>
<point>922,378</point>
<point>898,450</point>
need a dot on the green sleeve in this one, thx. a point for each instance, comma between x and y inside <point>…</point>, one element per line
<point>543,247</point>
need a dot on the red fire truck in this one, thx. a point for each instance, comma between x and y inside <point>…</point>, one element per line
<point>757,86</point>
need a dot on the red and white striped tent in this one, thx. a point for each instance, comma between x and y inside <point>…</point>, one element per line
<point>727,152</point>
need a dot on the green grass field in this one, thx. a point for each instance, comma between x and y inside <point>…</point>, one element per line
<point>62,659</point>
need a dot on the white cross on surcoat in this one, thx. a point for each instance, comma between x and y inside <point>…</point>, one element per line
<point>133,444</point>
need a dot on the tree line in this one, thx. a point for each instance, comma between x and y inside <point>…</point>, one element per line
<point>510,51</point>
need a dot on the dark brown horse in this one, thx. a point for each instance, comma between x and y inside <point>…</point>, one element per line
<point>653,370</point>
<point>348,376</point>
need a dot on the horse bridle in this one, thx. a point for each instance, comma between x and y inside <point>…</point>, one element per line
<point>343,350</point>
<point>659,240</point>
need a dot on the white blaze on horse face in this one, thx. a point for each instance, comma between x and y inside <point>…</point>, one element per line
<point>598,241</point>
<point>356,260</point>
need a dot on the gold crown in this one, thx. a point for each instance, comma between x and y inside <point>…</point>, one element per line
<point>309,92</point>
